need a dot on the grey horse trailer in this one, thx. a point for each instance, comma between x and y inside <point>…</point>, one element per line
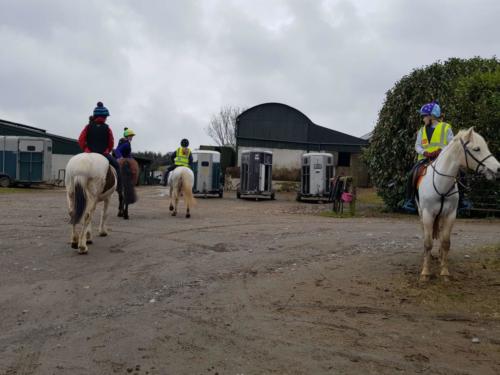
<point>207,173</point>
<point>25,160</point>
<point>316,173</point>
<point>256,175</point>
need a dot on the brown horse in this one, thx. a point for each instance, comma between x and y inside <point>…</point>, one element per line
<point>130,174</point>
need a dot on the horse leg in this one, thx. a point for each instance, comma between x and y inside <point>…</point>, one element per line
<point>89,234</point>
<point>176,203</point>
<point>171,207</point>
<point>445,247</point>
<point>427,221</point>
<point>82,243</point>
<point>125,212</point>
<point>120,204</point>
<point>74,232</point>
<point>74,237</point>
<point>188,214</point>
<point>103,232</point>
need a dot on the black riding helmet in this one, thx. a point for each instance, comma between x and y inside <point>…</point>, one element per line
<point>184,143</point>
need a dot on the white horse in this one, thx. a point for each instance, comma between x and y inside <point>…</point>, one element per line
<point>437,198</point>
<point>90,179</point>
<point>181,181</point>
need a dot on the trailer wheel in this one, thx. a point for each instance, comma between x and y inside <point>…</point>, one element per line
<point>4,181</point>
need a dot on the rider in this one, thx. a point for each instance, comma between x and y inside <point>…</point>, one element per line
<point>431,139</point>
<point>182,157</point>
<point>97,137</point>
<point>124,148</point>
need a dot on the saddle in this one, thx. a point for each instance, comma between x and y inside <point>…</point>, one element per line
<point>418,174</point>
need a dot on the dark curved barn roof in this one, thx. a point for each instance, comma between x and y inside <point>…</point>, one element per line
<point>277,125</point>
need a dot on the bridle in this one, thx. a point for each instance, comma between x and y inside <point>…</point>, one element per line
<point>480,163</point>
<point>450,192</point>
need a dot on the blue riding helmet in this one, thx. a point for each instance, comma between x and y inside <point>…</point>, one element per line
<point>430,109</point>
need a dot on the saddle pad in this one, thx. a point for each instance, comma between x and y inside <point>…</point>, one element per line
<point>422,171</point>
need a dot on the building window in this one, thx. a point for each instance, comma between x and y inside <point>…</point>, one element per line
<point>344,159</point>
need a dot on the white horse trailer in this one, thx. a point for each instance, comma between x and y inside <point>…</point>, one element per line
<point>316,173</point>
<point>207,173</point>
<point>25,160</point>
<point>256,175</point>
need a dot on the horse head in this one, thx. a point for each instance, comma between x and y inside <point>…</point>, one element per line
<point>477,155</point>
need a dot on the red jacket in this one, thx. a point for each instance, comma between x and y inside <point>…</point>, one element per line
<point>82,139</point>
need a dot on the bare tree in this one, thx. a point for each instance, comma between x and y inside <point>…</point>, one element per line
<point>222,126</point>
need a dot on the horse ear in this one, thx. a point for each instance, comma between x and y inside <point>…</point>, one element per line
<point>468,134</point>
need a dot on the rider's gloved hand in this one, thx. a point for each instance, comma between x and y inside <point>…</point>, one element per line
<point>427,154</point>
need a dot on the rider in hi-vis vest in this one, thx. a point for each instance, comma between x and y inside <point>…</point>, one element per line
<point>438,140</point>
<point>431,139</point>
<point>182,157</point>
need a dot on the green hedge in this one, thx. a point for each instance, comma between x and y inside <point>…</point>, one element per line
<point>468,93</point>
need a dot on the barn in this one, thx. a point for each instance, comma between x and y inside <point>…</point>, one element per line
<point>289,133</point>
<point>63,149</point>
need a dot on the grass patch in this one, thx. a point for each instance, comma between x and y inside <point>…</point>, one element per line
<point>368,196</point>
<point>345,214</point>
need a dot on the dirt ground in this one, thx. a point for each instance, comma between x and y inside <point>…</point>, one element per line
<point>243,287</point>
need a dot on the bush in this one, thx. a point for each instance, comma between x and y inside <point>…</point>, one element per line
<point>478,105</point>
<point>391,153</point>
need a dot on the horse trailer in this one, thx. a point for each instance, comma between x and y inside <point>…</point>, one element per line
<point>25,160</point>
<point>207,173</point>
<point>316,173</point>
<point>256,175</point>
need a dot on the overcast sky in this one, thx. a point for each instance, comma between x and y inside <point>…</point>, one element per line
<point>164,67</point>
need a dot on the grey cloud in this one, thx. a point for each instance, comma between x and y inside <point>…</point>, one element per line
<point>163,68</point>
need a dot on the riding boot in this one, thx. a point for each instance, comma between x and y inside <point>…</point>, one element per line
<point>116,166</point>
<point>165,178</point>
<point>409,203</point>
<point>167,172</point>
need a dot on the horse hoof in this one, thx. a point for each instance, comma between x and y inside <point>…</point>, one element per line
<point>445,278</point>
<point>188,215</point>
<point>174,213</point>
<point>103,234</point>
<point>125,217</point>
<point>424,278</point>
<point>74,245</point>
<point>83,250</point>
<point>120,214</point>
<point>171,208</point>
<point>90,242</point>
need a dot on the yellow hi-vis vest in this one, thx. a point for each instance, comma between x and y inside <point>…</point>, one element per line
<point>438,140</point>
<point>181,159</point>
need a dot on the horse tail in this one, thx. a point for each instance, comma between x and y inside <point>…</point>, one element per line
<point>128,183</point>
<point>79,199</point>
<point>435,228</point>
